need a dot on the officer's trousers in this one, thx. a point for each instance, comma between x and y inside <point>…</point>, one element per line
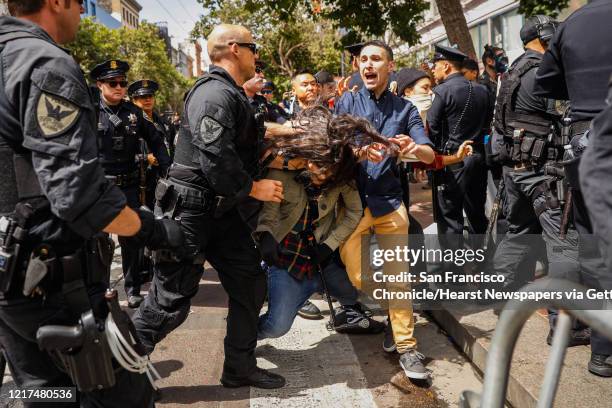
<point>131,255</point>
<point>31,367</point>
<point>524,193</point>
<point>226,243</point>
<point>460,188</point>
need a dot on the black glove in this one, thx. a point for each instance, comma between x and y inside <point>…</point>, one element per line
<point>268,247</point>
<point>158,234</point>
<point>322,255</point>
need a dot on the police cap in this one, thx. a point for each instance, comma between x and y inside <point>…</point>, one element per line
<point>143,87</point>
<point>448,54</point>
<point>354,49</point>
<point>538,26</point>
<point>109,69</point>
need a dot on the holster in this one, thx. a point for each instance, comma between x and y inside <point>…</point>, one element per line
<point>83,350</point>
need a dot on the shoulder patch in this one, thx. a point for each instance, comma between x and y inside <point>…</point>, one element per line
<point>210,130</point>
<point>55,115</point>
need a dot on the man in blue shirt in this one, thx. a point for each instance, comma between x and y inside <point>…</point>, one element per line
<point>381,191</point>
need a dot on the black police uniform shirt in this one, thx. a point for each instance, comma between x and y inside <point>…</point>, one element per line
<point>223,154</point>
<point>578,61</point>
<point>164,130</point>
<point>447,113</point>
<point>119,156</point>
<point>46,110</point>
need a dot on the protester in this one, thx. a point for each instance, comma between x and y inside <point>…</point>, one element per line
<point>380,188</point>
<point>327,85</point>
<point>314,196</point>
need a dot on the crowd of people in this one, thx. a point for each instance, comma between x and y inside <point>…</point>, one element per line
<point>281,198</point>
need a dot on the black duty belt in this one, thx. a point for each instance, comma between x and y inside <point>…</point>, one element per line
<point>580,127</point>
<point>196,197</point>
<point>125,180</point>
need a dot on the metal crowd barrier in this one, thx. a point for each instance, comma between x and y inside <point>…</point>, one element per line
<point>509,325</point>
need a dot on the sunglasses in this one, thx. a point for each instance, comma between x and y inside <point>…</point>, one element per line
<point>251,46</point>
<point>113,84</point>
<point>258,70</point>
<point>266,92</point>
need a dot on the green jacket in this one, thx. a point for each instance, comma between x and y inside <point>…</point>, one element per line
<point>340,211</point>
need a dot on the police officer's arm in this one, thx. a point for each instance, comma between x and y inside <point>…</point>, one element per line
<point>155,142</point>
<point>214,135</point>
<point>59,121</point>
<point>435,118</point>
<point>550,77</point>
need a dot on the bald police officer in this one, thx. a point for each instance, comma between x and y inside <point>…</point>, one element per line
<point>213,188</point>
<point>122,126</point>
<point>53,199</point>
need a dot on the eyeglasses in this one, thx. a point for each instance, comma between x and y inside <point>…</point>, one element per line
<point>113,84</point>
<point>266,92</point>
<point>250,46</point>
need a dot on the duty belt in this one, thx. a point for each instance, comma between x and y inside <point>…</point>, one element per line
<point>580,127</point>
<point>125,180</point>
<point>195,197</point>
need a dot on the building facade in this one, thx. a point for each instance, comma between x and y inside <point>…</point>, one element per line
<point>99,14</point>
<point>494,22</point>
<point>126,11</point>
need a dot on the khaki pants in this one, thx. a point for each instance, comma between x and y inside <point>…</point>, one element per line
<point>391,231</point>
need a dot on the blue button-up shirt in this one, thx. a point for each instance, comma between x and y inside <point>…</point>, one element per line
<point>379,184</point>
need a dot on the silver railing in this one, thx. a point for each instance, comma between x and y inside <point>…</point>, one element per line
<point>507,331</point>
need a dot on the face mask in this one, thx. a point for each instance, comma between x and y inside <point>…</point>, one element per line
<point>422,102</point>
<point>501,64</point>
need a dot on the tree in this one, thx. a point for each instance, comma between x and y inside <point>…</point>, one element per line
<point>550,8</point>
<point>455,25</point>
<point>289,45</point>
<point>142,48</point>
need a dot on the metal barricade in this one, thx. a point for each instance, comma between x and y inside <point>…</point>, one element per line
<point>511,321</point>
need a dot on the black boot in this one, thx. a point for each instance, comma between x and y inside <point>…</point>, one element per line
<point>577,338</point>
<point>601,365</point>
<point>260,378</point>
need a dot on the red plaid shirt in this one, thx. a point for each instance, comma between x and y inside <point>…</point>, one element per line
<point>295,251</point>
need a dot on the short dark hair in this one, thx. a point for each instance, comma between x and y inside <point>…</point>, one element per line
<point>24,7</point>
<point>470,65</point>
<point>380,44</point>
<point>489,52</point>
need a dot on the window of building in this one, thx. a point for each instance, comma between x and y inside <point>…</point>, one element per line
<point>85,8</point>
<point>512,23</point>
<point>93,8</point>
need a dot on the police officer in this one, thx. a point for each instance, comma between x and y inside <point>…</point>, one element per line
<point>574,69</point>
<point>535,192</point>
<point>214,180</point>
<point>122,128</point>
<point>142,94</point>
<point>457,115</point>
<point>53,199</point>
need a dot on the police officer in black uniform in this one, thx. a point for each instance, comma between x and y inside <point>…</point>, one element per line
<point>54,198</point>
<point>527,132</point>
<point>458,113</point>
<point>122,128</point>
<point>213,190</point>
<point>142,94</point>
<point>574,69</point>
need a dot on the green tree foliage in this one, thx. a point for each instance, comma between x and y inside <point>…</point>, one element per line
<point>290,44</point>
<point>546,7</point>
<point>141,48</point>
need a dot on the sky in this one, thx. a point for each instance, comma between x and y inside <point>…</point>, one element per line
<point>181,15</point>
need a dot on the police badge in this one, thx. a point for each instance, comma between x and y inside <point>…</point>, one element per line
<point>133,118</point>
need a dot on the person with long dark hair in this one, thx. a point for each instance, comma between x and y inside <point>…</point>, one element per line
<point>321,202</point>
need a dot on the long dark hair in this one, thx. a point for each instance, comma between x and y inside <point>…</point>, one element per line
<point>330,142</point>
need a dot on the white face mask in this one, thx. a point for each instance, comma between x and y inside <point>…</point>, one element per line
<point>422,102</point>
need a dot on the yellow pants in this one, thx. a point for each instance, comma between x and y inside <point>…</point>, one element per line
<point>391,230</point>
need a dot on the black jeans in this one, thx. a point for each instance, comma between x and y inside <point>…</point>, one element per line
<point>227,244</point>
<point>31,367</point>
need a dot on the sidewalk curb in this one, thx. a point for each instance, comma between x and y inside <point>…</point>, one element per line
<point>477,350</point>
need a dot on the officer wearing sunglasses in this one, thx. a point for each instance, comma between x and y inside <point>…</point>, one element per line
<point>122,127</point>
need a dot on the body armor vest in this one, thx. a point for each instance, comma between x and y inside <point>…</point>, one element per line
<point>247,140</point>
<point>506,118</point>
